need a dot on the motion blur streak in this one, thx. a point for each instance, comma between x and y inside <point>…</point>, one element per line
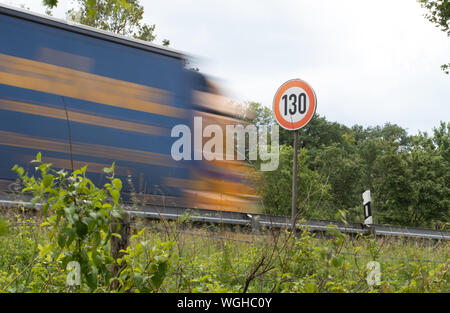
<point>109,152</point>
<point>218,103</point>
<point>74,116</point>
<point>221,202</point>
<point>65,163</point>
<point>24,73</point>
<point>76,93</point>
<point>62,58</point>
<point>230,188</point>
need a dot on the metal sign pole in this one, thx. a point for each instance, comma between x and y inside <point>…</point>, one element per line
<point>294,182</point>
<point>294,106</point>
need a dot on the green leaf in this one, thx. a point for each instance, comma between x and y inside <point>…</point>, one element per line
<point>115,195</point>
<point>116,235</point>
<point>50,3</point>
<point>65,260</point>
<point>47,180</point>
<point>139,280</point>
<point>91,278</point>
<point>109,170</point>
<point>61,240</point>
<point>38,158</point>
<point>76,173</point>
<point>84,261</point>
<point>117,183</point>
<point>158,277</point>
<point>97,238</point>
<point>70,236</point>
<point>69,213</point>
<point>82,229</point>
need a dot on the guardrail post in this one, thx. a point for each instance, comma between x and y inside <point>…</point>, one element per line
<point>368,218</point>
<point>256,226</point>
<point>255,223</point>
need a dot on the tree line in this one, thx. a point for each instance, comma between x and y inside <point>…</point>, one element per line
<point>408,175</point>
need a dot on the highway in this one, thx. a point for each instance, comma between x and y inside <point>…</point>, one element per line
<point>253,220</point>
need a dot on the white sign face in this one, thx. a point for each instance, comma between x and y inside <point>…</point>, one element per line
<point>294,104</point>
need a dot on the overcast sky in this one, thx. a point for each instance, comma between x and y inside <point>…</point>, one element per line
<point>369,62</point>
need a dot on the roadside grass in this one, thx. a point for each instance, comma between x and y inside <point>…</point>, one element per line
<point>202,260</point>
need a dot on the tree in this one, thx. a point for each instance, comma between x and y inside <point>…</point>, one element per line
<point>318,133</point>
<point>439,14</point>
<point>408,176</point>
<point>392,188</point>
<point>441,140</point>
<point>122,17</point>
<point>256,113</point>
<point>430,180</point>
<point>312,190</point>
<point>342,171</point>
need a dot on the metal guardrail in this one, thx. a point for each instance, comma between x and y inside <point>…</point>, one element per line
<point>243,219</point>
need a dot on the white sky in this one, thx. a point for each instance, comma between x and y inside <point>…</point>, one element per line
<point>369,62</point>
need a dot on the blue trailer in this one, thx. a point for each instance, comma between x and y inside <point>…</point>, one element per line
<point>85,96</point>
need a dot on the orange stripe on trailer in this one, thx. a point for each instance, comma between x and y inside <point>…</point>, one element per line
<point>79,117</point>
<point>93,167</point>
<point>220,202</point>
<point>214,185</point>
<point>44,77</point>
<point>79,148</point>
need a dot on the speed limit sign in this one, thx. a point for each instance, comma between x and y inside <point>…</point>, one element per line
<point>294,104</point>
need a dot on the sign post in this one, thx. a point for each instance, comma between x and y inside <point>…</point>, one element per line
<point>294,105</point>
<point>294,180</point>
<point>368,219</point>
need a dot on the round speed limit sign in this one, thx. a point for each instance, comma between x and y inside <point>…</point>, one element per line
<point>294,104</point>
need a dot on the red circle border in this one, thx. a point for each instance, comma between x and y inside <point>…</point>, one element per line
<point>312,104</point>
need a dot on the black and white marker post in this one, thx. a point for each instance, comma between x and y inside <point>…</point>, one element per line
<point>368,219</point>
<point>294,106</point>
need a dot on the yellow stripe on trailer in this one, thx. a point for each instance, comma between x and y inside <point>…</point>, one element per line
<point>80,117</point>
<point>44,77</point>
<point>78,148</point>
